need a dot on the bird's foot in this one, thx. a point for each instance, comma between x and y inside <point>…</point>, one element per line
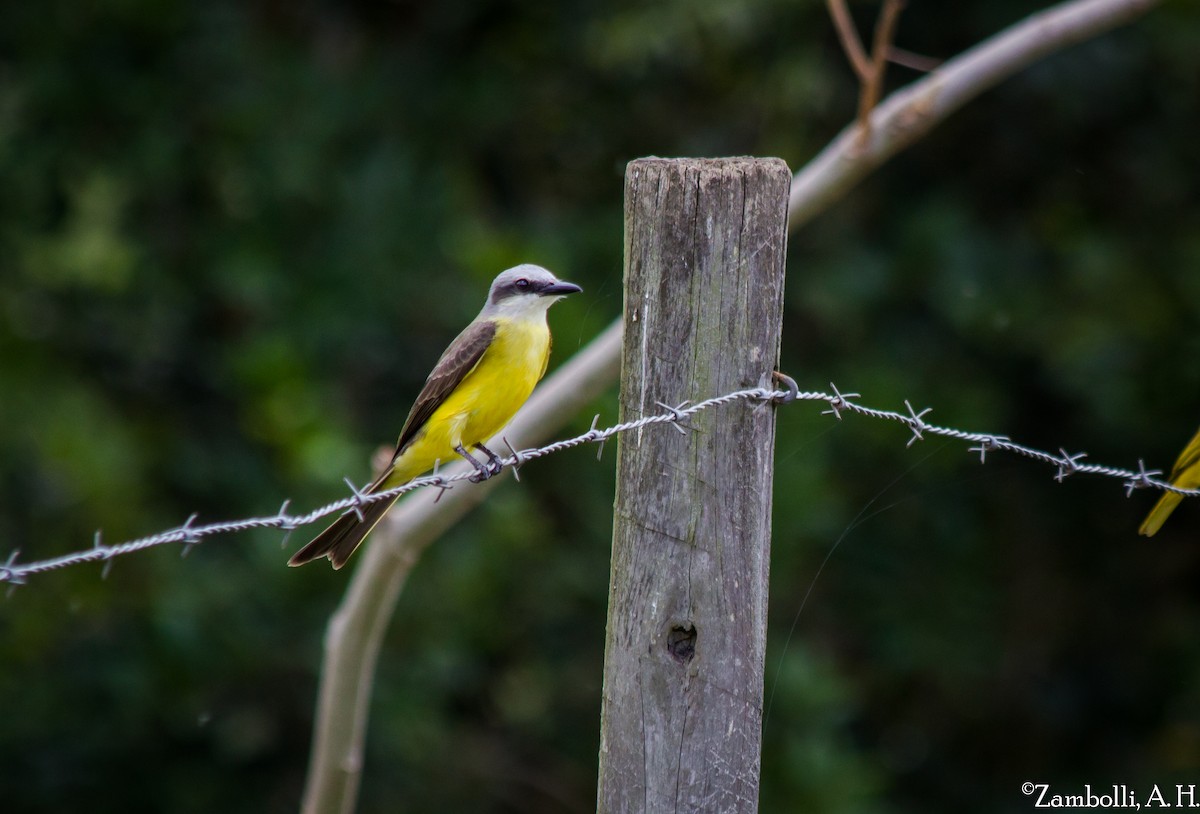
<point>495,465</point>
<point>482,471</point>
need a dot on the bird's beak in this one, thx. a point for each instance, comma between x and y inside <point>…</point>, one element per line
<point>560,289</point>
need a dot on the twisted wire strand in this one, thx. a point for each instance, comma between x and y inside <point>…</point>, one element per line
<point>191,533</point>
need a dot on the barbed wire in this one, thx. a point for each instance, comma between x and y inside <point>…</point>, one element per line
<point>190,534</point>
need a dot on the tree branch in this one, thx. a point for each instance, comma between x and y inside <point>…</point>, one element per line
<point>872,87</point>
<point>848,35</point>
<point>910,113</point>
<point>917,62</point>
<point>870,70</point>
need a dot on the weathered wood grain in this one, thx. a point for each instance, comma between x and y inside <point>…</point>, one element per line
<point>705,243</point>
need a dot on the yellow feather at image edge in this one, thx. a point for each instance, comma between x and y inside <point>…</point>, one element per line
<point>1184,475</point>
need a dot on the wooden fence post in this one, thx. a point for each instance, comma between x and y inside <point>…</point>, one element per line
<point>681,726</point>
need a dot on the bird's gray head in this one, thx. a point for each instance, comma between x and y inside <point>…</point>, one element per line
<point>527,288</point>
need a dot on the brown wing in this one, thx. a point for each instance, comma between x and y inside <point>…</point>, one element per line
<point>459,359</point>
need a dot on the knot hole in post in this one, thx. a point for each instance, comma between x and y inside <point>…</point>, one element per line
<point>681,641</point>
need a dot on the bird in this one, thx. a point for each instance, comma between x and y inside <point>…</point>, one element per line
<point>476,387</point>
<point>1184,475</point>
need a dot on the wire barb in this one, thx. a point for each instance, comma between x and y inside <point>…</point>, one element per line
<point>677,416</point>
<point>436,480</point>
<point>1068,464</point>
<point>360,498</point>
<point>190,538</point>
<point>837,403</point>
<point>282,519</point>
<point>1142,480</point>
<point>596,434</point>
<point>517,459</point>
<point>915,423</point>
<point>8,572</point>
<point>986,444</point>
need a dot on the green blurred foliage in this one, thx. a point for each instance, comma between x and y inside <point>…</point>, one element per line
<point>234,237</point>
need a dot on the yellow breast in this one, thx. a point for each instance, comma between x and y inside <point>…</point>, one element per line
<point>485,401</point>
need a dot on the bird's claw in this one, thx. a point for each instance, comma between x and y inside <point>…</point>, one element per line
<point>494,465</point>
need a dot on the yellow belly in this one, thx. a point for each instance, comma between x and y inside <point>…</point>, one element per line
<point>484,402</point>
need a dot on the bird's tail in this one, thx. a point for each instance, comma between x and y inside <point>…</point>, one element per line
<point>340,540</point>
<point>1159,514</point>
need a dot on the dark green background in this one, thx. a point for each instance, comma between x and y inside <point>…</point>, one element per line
<point>234,237</point>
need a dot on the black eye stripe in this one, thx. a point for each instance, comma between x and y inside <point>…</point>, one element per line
<point>521,285</point>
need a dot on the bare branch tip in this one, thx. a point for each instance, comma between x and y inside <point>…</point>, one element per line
<point>856,54</point>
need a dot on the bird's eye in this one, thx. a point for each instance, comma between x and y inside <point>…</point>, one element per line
<point>522,284</point>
